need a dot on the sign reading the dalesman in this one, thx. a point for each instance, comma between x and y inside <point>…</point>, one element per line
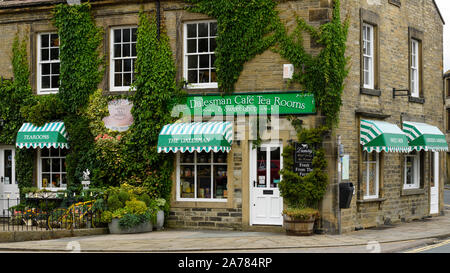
<point>253,104</point>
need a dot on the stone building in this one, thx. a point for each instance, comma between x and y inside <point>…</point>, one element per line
<point>392,45</point>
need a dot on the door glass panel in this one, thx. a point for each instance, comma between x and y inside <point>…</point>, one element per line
<point>261,163</point>
<point>204,181</point>
<point>8,166</point>
<point>275,166</point>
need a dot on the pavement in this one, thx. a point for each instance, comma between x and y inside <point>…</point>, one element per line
<point>425,231</point>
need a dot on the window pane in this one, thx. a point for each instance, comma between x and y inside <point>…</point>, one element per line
<point>63,179</point>
<point>63,164</point>
<point>54,40</point>
<point>372,179</point>
<point>134,34</point>
<point>133,50</point>
<point>275,166</point>
<point>213,60</point>
<point>45,54</point>
<point>202,45</point>
<point>212,44</point>
<point>45,165</point>
<point>55,68</point>
<point>187,158</point>
<point>203,76</point>
<point>44,152</point>
<point>55,82</point>
<point>118,79</point>
<point>261,165</point>
<point>192,76</point>
<point>126,50</point>
<point>56,180</point>
<point>192,30</point>
<point>204,61</point>
<point>192,46</point>
<point>127,65</point>
<point>117,36</point>
<point>187,182</point>
<point>45,82</point>
<point>220,182</point>
<point>213,29</point>
<point>126,79</point>
<point>45,180</point>
<point>203,30</point>
<point>45,40</point>
<point>203,157</point>
<point>56,166</point>
<point>220,157</point>
<point>45,69</point>
<point>193,61</point>
<point>204,181</point>
<point>213,75</point>
<point>117,51</point>
<point>409,170</point>
<point>118,66</point>
<point>126,38</point>
<point>54,54</point>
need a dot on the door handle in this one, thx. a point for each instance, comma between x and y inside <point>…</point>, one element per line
<point>254,183</point>
<point>1,179</point>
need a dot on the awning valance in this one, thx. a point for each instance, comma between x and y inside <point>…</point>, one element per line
<point>382,136</point>
<point>196,136</point>
<point>423,136</point>
<point>51,135</point>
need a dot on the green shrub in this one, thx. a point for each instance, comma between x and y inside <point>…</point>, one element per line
<point>124,196</point>
<point>301,214</point>
<point>106,217</point>
<point>114,203</point>
<point>136,207</point>
<point>145,198</point>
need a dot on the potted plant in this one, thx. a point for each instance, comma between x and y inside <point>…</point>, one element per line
<point>302,194</point>
<point>161,205</point>
<point>129,210</point>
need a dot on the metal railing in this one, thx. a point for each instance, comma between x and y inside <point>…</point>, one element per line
<point>77,215</point>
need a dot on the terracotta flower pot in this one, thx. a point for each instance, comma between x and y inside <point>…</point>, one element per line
<point>299,227</point>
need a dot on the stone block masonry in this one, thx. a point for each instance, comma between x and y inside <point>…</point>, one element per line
<point>205,218</point>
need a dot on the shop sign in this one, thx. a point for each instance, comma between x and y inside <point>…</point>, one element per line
<point>120,117</point>
<point>303,158</point>
<point>253,104</point>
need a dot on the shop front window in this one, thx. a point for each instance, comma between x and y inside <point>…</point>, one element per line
<point>52,168</point>
<point>370,172</point>
<point>412,171</point>
<point>202,176</point>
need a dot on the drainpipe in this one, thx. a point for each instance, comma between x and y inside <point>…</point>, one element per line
<point>158,18</point>
<point>338,209</point>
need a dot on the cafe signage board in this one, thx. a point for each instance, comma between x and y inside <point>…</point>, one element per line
<point>303,158</point>
<point>282,103</point>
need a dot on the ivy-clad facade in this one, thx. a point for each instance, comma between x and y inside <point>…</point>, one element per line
<point>377,97</point>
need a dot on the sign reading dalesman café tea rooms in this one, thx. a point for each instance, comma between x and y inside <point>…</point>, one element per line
<point>253,104</point>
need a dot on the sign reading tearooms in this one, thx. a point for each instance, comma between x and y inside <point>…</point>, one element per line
<point>120,117</point>
<point>253,104</point>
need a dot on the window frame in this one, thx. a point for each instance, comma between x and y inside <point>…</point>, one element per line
<point>40,172</point>
<point>112,72</point>
<point>366,183</point>
<point>40,90</point>
<point>212,85</point>
<point>415,80</point>
<point>370,55</point>
<point>416,169</point>
<point>415,35</point>
<point>195,164</point>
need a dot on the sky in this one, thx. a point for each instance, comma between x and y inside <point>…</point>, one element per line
<point>444,7</point>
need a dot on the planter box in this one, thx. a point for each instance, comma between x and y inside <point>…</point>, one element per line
<point>115,228</point>
<point>298,227</point>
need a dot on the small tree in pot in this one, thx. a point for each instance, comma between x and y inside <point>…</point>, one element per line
<point>303,194</point>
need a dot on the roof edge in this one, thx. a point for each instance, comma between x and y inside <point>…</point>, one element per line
<point>439,12</point>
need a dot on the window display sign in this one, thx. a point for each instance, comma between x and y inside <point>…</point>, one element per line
<point>120,117</point>
<point>303,158</point>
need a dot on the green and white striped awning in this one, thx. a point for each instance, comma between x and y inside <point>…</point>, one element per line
<point>382,136</point>
<point>52,134</point>
<point>196,136</point>
<point>423,136</point>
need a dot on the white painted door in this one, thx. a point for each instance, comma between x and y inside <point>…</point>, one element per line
<point>434,185</point>
<point>9,191</point>
<point>266,204</point>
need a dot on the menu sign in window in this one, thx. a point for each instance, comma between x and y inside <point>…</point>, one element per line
<point>303,158</point>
